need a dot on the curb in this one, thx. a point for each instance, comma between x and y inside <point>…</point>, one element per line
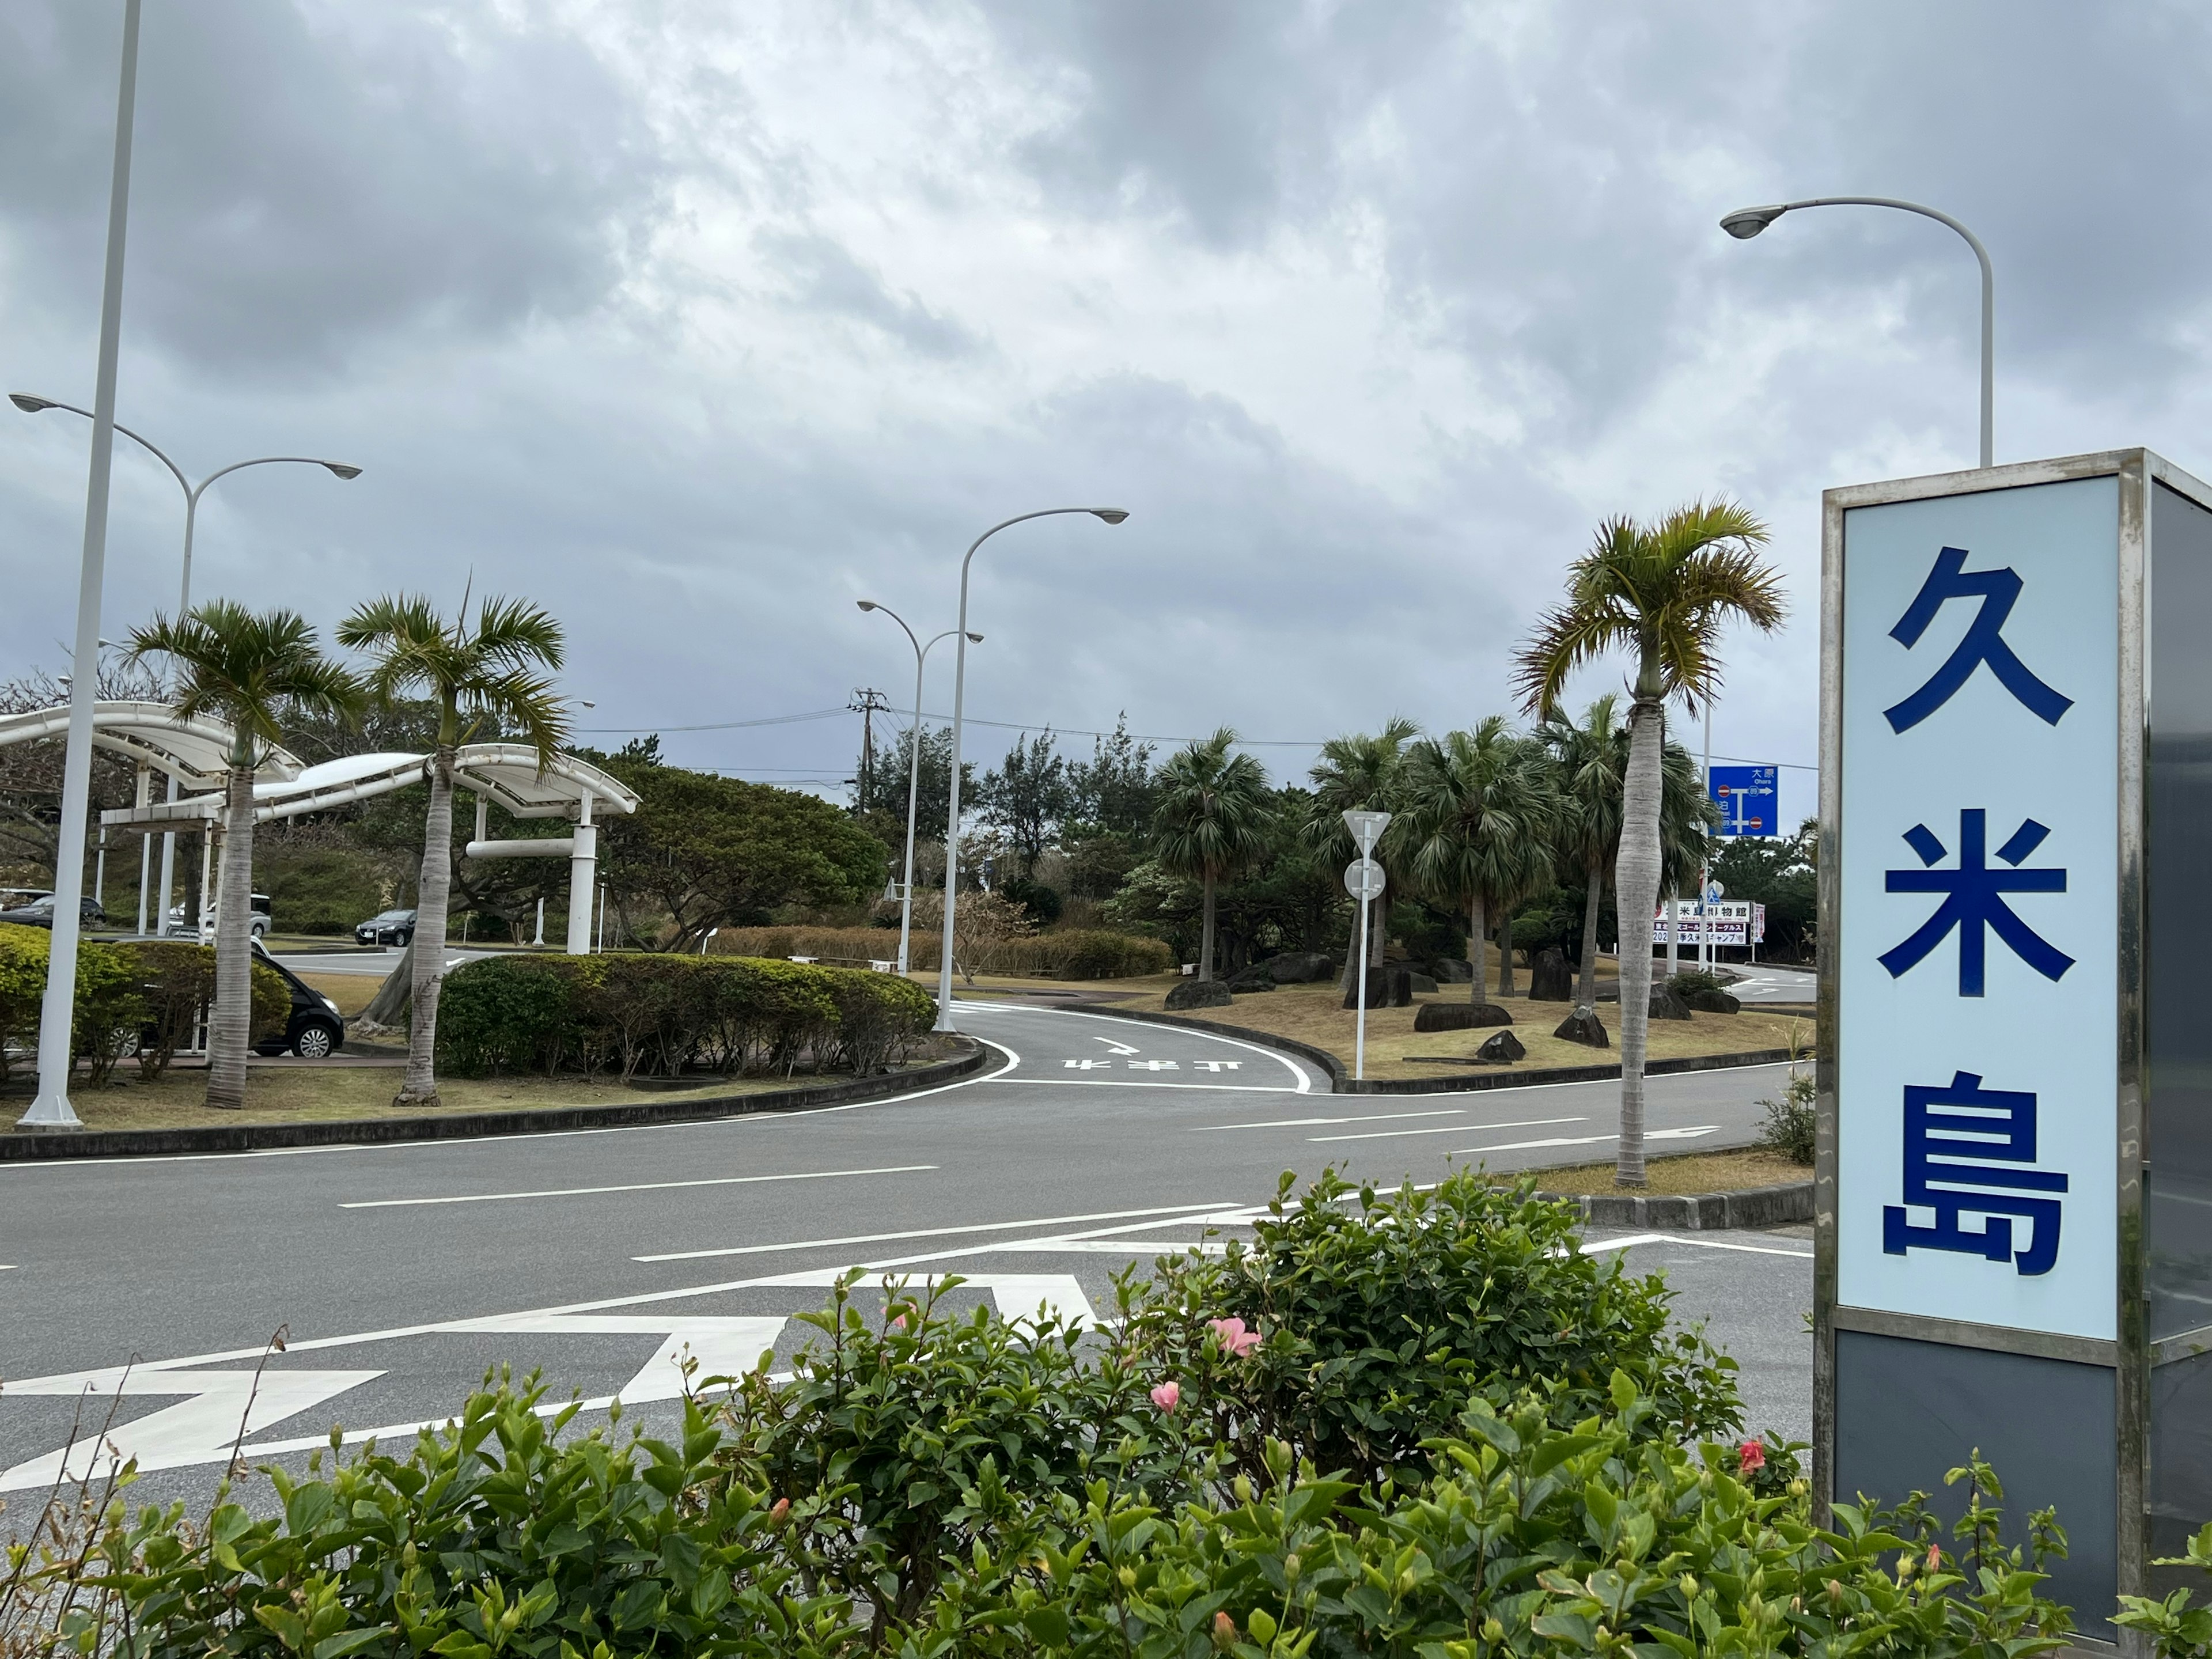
<point>469,1125</point>
<point>1750,1207</point>
<point>1503,1077</point>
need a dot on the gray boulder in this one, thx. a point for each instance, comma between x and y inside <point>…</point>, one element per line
<point>1584,1028</point>
<point>1551,980</point>
<point>1200,994</point>
<point>1713,1002</point>
<point>1253,978</point>
<point>1302,967</point>
<point>1420,981</point>
<point>1387,987</point>
<point>1667,1003</point>
<point>1459,1016</point>
<point>1451,970</point>
<point>1502,1049</point>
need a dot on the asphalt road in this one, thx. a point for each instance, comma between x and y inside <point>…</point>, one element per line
<point>400,1273</point>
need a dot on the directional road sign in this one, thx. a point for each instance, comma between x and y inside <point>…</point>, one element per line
<point>1363,879</point>
<point>1748,798</point>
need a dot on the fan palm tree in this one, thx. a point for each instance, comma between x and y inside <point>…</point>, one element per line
<point>1212,819</point>
<point>1358,773</point>
<point>481,674</point>
<point>1662,591</point>
<point>1479,817</point>
<point>247,670</point>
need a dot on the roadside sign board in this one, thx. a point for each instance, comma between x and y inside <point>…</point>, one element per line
<point>1749,797</point>
<point>1364,878</point>
<point>1734,922</point>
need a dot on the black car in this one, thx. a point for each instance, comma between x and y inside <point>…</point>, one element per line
<point>39,912</point>
<point>314,1029</point>
<point>392,928</point>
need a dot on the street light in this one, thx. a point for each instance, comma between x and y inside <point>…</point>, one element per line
<point>1111,515</point>
<point>1746,222</point>
<point>30,404</point>
<point>914,767</point>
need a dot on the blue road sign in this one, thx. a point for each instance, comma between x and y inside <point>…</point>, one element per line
<point>1748,798</point>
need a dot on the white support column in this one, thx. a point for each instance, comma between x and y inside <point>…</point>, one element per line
<point>207,884</point>
<point>583,875</point>
<point>145,848</point>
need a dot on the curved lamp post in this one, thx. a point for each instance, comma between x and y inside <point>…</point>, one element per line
<point>1746,222</point>
<point>31,405</point>
<point>914,766</point>
<point>1111,515</point>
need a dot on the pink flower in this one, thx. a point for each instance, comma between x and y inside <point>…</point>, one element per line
<point>1751,1457</point>
<point>1167,1396</point>
<point>776,1515</point>
<point>1934,1557</point>
<point>1235,1338</point>
<point>897,1324</point>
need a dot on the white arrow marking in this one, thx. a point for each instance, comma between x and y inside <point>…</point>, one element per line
<point>200,1430</point>
<point>1586,1140</point>
<point>1114,1048</point>
<point>722,1345</point>
<point>1017,1294</point>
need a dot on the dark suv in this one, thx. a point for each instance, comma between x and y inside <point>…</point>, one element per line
<point>392,928</point>
<point>314,1029</point>
<point>39,912</point>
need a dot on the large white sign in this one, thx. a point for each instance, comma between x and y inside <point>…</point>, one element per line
<point>1977,1063</point>
<point>1734,922</point>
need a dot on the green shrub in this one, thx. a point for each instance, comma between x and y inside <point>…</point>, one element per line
<point>1070,953</point>
<point>1789,1129</point>
<point>2176,1629</point>
<point>1691,981</point>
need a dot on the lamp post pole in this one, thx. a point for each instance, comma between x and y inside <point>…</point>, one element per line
<point>1746,222</point>
<point>32,404</point>
<point>51,1109</point>
<point>1111,515</point>
<point>913,770</point>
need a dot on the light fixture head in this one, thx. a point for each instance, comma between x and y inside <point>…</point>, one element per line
<point>868,605</point>
<point>1111,514</point>
<point>343,470</point>
<point>28,403</point>
<point>1746,222</point>
<point>974,639</point>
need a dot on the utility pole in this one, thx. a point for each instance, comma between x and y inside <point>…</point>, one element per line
<point>866,702</point>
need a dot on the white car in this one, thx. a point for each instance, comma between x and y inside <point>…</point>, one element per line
<point>180,927</point>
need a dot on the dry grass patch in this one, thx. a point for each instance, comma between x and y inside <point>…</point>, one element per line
<point>1696,1172</point>
<point>353,992</point>
<point>1314,1014</point>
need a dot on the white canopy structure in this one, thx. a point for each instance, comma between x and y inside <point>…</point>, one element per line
<point>196,752</point>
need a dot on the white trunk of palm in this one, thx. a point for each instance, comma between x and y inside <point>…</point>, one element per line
<point>1205,933</point>
<point>1586,981</point>
<point>1635,879</point>
<point>1505,953</point>
<point>232,1027</point>
<point>420,1087</point>
<point>1478,952</point>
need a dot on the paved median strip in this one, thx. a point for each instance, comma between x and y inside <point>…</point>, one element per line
<point>1449,1129</point>
<point>634,1187</point>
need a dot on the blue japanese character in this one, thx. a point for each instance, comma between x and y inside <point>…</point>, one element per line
<point>1972,901</point>
<point>1984,641</point>
<point>1989,1124</point>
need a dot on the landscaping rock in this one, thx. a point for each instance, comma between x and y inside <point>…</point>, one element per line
<point>1584,1028</point>
<point>1200,994</point>
<point>1459,1016</point>
<point>1302,967</point>
<point>1387,987</point>
<point>1451,970</point>
<point>1551,980</point>
<point>1713,1002</point>
<point>1502,1049</point>
<point>1257,977</point>
<point>1420,981</point>
<point>1667,1003</point>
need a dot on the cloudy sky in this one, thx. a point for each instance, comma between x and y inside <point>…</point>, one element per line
<point>698,322</point>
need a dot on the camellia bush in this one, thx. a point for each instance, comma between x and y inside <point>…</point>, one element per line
<point>1466,1439</point>
<point>663,1016</point>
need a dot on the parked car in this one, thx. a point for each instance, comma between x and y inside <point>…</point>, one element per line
<point>314,1030</point>
<point>178,927</point>
<point>392,928</point>
<point>39,912</point>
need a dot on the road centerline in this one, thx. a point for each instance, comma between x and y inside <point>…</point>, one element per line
<point>921,1232</point>
<point>1448,1129</point>
<point>627,1187</point>
<point>1309,1123</point>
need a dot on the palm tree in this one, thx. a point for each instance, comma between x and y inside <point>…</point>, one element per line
<point>1479,808</point>
<point>484,674</point>
<point>244,670</point>
<point>1212,819</point>
<point>1358,773</point>
<point>1663,591</point>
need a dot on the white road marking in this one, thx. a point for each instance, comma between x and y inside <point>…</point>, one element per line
<point>1309,1122</point>
<point>1114,1048</point>
<point>918,1232</point>
<point>1304,1083</point>
<point>1449,1129</point>
<point>1634,1239</point>
<point>1117,1083</point>
<point>723,1346</point>
<point>1582,1140</point>
<point>634,1187</point>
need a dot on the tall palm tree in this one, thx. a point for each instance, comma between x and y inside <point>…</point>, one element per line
<point>1212,819</point>
<point>1479,809</point>
<point>1359,773</point>
<point>483,673</point>
<point>1662,591</point>
<point>244,670</point>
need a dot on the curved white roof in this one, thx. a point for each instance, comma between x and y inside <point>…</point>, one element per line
<point>195,751</point>
<point>509,773</point>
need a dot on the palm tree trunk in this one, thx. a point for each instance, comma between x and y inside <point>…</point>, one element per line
<point>421,1088</point>
<point>232,1027</point>
<point>1505,952</point>
<point>1206,937</point>
<point>1478,953</point>
<point>1586,981</point>
<point>1636,880</point>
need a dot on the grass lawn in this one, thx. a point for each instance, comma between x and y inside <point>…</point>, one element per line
<point>1314,1014</point>
<point>351,992</point>
<point>1699,1172</point>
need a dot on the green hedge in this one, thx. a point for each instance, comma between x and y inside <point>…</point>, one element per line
<point>663,1015</point>
<point>1073,953</point>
